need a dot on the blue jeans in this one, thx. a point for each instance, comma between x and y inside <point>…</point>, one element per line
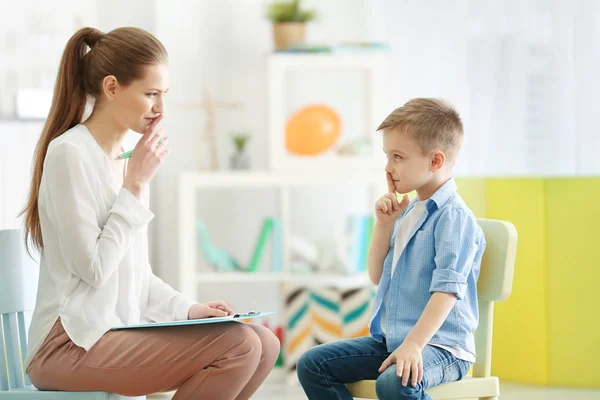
<point>324,370</point>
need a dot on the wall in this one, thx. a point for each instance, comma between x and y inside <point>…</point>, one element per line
<point>545,333</point>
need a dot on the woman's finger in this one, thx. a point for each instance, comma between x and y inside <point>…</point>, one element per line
<point>162,146</point>
<point>155,139</point>
<point>151,129</point>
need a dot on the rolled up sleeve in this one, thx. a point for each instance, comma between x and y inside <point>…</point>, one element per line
<point>456,246</point>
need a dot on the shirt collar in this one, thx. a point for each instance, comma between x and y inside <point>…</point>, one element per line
<point>444,193</point>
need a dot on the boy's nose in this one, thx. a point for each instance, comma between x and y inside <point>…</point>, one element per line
<point>388,168</point>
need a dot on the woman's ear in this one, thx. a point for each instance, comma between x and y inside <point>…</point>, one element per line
<point>438,159</point>
<point>110,86</point>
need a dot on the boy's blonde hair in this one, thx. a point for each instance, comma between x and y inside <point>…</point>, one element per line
<point>434,124</point>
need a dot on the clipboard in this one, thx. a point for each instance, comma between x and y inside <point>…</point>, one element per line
<point>212,320</point>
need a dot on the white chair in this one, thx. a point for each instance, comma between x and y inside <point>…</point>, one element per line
<point>18,285</point>
<point>495,284</point>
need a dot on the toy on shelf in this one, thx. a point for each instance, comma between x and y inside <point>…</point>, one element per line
<point>209,105</point>
<point>346,252</point>
<point>223,261</point>
<point>312,130</point>
<point>356,147</point>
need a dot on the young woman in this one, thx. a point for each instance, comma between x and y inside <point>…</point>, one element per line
<point>88,214</point>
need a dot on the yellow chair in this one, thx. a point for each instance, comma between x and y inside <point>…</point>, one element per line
<point>495,284</point>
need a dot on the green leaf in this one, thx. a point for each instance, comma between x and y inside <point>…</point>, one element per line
<point>289,11</point>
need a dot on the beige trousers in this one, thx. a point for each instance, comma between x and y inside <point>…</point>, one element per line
<point>213,361</point>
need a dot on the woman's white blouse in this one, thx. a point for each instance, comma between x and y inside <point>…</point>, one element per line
<point>94,270</point>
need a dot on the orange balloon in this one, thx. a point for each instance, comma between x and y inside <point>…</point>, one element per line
<point>312,130</point>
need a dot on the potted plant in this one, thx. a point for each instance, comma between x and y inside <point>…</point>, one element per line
<point>240,159</point>
<point>289,22</point>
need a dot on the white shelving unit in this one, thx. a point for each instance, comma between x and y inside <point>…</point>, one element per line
<point>372,66</point>
<point>191,184</point>
<point>288,172</point>
<point>308,280</point>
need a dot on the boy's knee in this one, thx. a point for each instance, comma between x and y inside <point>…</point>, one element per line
<point>389,386</point>
<point>304,363</point>
<point>307,364</point>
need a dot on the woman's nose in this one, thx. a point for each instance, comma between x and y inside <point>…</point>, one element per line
<point>159,107</point>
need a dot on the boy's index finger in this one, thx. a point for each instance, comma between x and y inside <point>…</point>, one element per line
<point>390,182</point>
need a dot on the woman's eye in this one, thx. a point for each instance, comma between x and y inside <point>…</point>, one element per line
<point>397,156</point>
<point>151,94</point>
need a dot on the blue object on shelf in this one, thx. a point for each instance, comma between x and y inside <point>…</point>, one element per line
<point>222,259</point>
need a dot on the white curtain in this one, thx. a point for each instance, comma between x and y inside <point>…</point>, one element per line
<point>522,73</point>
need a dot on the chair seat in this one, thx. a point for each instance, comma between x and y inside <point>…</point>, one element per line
<point>463,389</point>
<point>30,392</point>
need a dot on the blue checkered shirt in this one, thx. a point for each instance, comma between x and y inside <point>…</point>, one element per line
<point>443,254</point>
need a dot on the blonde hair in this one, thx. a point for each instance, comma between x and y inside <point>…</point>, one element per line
<point>433,123</point>
<point>122,52</point>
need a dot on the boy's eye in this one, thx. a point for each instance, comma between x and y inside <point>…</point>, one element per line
<point>397,156</point>
<point>151,94</point>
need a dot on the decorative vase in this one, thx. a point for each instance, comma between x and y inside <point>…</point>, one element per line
<point>286,34</point>
<point>240,160</point>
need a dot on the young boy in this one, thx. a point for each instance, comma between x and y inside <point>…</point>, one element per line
<point>425,256</point>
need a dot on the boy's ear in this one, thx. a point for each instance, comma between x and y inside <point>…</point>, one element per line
<point>438,159</point>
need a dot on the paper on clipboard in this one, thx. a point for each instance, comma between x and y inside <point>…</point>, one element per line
<point>212,320</point>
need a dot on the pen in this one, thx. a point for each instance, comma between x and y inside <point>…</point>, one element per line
<point>128,154</point>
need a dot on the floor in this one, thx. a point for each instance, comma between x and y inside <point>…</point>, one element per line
<point>510,391</point>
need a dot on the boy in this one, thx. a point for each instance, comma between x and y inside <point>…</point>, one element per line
<point>425,256</point>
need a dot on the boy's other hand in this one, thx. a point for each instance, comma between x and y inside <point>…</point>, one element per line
<point>409,362</point>
<point>387,208</point>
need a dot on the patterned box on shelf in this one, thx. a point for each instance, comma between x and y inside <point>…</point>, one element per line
<point>321,315</point>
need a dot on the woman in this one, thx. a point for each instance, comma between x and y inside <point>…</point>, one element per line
<point>88,214</point>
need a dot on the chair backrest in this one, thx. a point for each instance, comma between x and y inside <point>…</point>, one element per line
<point>497,266</point>
<point>18,285</point>
<point>495,284</point>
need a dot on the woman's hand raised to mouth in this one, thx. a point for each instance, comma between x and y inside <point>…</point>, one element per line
<point>146,159</point>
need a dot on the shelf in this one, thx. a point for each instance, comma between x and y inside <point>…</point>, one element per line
<point>327,60</point>
<point>310,280</point>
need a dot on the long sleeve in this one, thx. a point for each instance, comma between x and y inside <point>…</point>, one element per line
<point>164,302</point>
<point>92,249</point>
